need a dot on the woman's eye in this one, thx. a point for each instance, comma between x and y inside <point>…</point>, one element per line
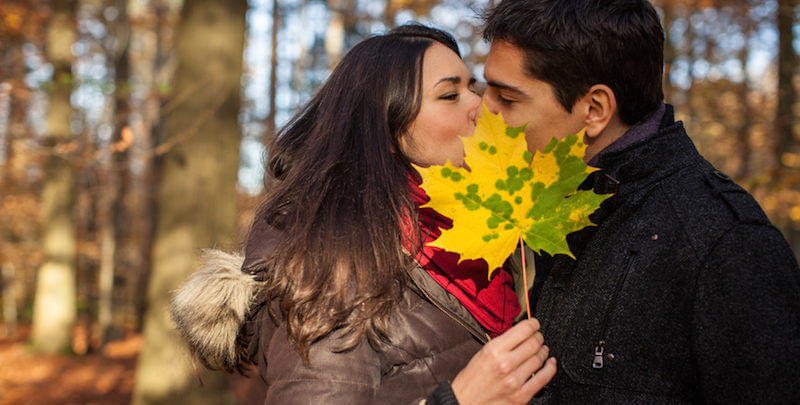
<point>449,96</point>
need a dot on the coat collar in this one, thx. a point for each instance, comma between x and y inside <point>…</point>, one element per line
<point>646,161</point>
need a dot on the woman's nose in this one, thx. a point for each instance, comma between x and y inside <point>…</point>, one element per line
<point>476,110</point>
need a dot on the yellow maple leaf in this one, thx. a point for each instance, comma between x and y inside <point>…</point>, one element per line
<point>507,193</point>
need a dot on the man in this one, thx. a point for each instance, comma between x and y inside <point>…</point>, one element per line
<point>684,292</point>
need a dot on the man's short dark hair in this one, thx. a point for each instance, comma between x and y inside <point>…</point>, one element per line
<point>575,44</point>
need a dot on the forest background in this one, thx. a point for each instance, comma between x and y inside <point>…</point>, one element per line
<point>132,133</point>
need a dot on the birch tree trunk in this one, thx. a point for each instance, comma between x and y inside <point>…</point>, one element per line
<point>54,309</point>
<point>197,188</point>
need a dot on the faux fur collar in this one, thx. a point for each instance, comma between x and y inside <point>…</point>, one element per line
<point>211,306</point>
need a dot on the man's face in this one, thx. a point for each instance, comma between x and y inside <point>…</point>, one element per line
<point>525,100</point>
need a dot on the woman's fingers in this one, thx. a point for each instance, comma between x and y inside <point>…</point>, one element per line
<point>531,365</point>
<point>510,350</point>
<point>505,370</point>
<point>539,380</point>
<point>521,345</point>
<point>516,335</point>
<point>529,347</point>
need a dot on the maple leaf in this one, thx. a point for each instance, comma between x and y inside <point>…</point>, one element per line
<point>508,193</point>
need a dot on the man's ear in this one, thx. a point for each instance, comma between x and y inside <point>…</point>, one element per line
<point>601,105</point>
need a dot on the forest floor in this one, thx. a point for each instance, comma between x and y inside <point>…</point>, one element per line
<point>104,377</point>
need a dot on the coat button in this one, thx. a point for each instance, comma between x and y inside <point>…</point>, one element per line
<point>610,356</point>
<point>722,176</point>
<point>654,237</point>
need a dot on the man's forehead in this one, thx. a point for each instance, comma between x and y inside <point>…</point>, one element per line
<point>501,80</point>
<point>505,67</point>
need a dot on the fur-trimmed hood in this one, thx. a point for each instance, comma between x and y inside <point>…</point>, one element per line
<point>211,306</point>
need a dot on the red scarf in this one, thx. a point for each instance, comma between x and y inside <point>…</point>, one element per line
<point>493,302</point>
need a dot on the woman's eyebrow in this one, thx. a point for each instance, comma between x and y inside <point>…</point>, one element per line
<point>451,79</point>
<point>455,80</point>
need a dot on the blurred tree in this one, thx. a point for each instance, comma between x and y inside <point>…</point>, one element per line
<point>670,53</point>
<point>9,299</point>
<point>341,27</point>
<point>54,307</point>
<point>114,173</point>
<point>197,185</point>
<point>22,35</point>
<point>786,156</point>
<point>787,67</point>
<point>271,125</point>
<point>151,64</point>
<point>746,111</point>
<point>12,70</point>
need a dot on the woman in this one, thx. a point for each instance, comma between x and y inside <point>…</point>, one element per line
<point>344,311</point>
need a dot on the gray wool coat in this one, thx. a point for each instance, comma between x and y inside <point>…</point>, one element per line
<point>684,293</point>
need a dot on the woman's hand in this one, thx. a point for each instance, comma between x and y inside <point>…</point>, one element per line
<point>510,369</point>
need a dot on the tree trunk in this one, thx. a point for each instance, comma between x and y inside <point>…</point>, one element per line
<point>390,13</point>
<point>54,309</point>
<point>784,119</point>
<point>688,45</point>
<point>9,297</point>
<point>746,116</point>
<point>197,185</point>
<point>6,140</point>
<point>340,26</point>
<point>115,165</point>
<point>150,46</point>
<point>269,133</point>
<point>787,65</point>
<point>7,270</point>
<point>670,53</point>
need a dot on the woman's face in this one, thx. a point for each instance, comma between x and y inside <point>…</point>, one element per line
<point>448,110</point>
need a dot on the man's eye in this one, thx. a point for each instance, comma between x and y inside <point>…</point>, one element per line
<point>504,100</point>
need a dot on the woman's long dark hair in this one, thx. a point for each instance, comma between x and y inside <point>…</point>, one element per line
<point>338,188</point>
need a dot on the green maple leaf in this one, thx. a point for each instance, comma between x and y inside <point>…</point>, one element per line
<point>508,193</point>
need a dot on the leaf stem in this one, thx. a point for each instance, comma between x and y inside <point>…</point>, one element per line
<point>525,276</point>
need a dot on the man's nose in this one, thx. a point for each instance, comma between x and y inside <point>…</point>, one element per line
<point>490,104</point>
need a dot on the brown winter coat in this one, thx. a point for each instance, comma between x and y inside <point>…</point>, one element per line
<point>427,347</point>
<point>432,337</point>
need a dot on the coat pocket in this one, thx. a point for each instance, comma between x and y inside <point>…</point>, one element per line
<point>598,361</point>
<point>629,334</point>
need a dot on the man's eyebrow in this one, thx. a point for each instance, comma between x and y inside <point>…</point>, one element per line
<point>503,86</point>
